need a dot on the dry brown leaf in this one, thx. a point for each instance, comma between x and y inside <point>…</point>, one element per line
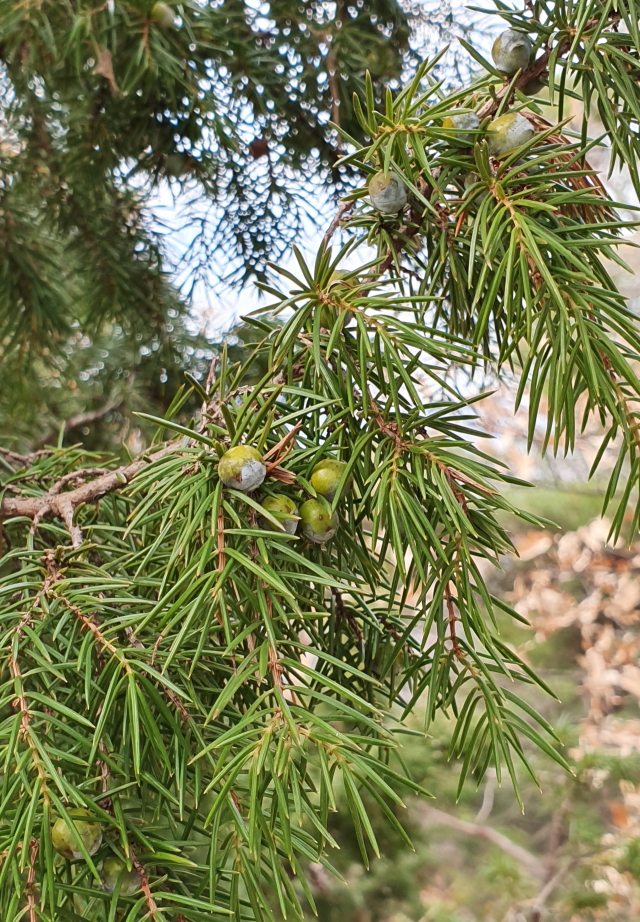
<point>104,68</point>
<point>619,815</point>
<point>533,544</point>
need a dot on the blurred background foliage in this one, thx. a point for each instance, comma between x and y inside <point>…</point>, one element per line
<point>574,855</point>
<point>146,159</point>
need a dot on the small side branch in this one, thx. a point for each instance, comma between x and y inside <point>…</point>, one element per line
<point>222,560</point>
<point>34,846</point>
<point>343,209</point>
<point>64,504</point>
<point>106,803</point>
<point>433,817</point>
<point>67,512</point>
<point>343,614</point>
<point>152,906</point>
<point>20,701</point>
<point>24,460</point>
<point>171,695</point>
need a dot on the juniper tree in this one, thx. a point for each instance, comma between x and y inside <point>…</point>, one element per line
<point>201,647</point>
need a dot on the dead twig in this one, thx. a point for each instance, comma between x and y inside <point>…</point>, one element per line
<point>433,817</point>
<point>81,419</point>
<point>343,209</point>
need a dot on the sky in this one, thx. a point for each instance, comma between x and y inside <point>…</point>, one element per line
<point>216,307</point>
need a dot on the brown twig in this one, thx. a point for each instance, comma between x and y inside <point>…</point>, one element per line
<point>106,803</point>
<point>152,906</point>
<point>343,209</point>
<point>343,614</point>
<point>457,650</point>
<point>25,460</point>
<point>34,845</point>
<point>89,623</point>
<point>222,561</point>
<point>276,668</point>
<point>64,504</point>
<point>160,872</point>
<point>81,475</point>
<point>432,816</point>
<point>67,510</point>
<point>275,665</point>
<point>156,647</point>
<point>389,429</point>
<point>20,701</point>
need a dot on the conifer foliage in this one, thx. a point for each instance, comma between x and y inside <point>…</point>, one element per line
<point>188,676</point>
<point>110,109</point>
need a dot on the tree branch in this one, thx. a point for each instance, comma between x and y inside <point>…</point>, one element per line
<point>432,816</point>
<point>24,460</point>
<point>81,419</point>
<point>537,70</point>
<point>541,899</point>
<point>64,504</point>
<point>539,67</point>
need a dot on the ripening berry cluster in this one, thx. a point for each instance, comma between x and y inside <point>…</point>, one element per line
<point>511,53</point>
<point>242,468</point>
<point>67,842</point>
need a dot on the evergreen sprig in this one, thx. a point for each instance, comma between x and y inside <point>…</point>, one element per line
<point>200,680</point>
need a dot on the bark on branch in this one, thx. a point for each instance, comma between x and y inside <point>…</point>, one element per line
<point>64,504</point>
